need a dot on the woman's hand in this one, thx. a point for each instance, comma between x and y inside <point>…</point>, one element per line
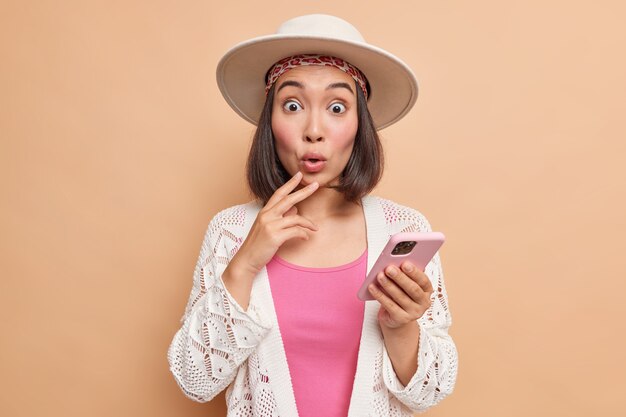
<point>406,295</point>
<point>277,222</point>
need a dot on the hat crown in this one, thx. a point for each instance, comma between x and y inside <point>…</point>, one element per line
<point>241,72</point>
<point>320,25</point>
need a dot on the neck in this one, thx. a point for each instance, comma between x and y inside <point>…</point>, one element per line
<point>325,203</point>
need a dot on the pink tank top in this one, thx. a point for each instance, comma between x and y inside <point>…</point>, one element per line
<point>320,320</point>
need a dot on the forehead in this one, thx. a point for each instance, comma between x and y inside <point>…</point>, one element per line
<point>314,74</point>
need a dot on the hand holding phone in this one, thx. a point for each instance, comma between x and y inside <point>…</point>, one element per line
<point>415,247</point>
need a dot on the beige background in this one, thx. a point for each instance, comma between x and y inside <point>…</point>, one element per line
<point>117,149</point>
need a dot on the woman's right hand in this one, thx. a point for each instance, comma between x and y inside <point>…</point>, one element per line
<point>277,222</point>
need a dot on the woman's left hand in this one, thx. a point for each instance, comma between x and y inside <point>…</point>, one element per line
<point>405,296</point>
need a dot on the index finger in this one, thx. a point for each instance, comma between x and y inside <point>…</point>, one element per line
<point>284,189</point>
<point>286,203</point>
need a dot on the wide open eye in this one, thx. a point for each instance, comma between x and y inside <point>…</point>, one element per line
<point>292,106</point>
<point>337,108</point>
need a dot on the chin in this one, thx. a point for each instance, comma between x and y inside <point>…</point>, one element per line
<point>320,178</point>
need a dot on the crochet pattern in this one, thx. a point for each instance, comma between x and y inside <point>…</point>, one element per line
<point>221,345</point>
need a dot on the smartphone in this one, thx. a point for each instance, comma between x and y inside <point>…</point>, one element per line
<point>415,247</point>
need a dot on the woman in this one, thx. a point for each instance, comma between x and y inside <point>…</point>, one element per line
<point>273,313</point>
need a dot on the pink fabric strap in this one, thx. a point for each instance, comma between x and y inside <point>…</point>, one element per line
<point>294,61</point>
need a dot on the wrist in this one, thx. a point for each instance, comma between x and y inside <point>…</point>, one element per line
<point>402,331</point>
<point>238,283</point>
<point>239,270</point>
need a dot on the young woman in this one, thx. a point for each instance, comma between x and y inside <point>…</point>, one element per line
<point>273,313</point>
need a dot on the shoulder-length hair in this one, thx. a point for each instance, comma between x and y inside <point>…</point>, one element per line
<point>265,172</point>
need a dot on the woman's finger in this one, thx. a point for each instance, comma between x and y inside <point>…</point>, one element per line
<point>417,276</point>
<point>389,305</point>
<point>293,232</point>
<point>286,203</point>
<point>293,210</point>
<point>284,190</point>
<point>397,293</point>
<point>405,283</point>
<point>297,220</point>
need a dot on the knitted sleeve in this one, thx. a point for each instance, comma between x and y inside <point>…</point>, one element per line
<point>217,335</point>
<point>437,355</point>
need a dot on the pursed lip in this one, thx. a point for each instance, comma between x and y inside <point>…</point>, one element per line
<point>313,162</point>
<point>313,156</point>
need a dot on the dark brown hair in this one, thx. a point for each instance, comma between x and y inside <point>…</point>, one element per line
<point>363,171</point>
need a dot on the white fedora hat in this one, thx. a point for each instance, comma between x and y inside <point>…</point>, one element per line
<point>241,71</point>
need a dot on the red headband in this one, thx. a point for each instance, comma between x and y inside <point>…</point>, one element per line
<point>290,62</point>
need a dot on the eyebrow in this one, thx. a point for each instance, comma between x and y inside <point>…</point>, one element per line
<point>290,83</point>
<point>340,85</point>
<point>297,84</point>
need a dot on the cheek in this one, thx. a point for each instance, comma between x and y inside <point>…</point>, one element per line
<point>283,141</point>
<point>345,134</point>
<point>282,133</point>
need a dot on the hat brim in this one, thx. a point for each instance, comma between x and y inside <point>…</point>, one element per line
<point>241,73</point>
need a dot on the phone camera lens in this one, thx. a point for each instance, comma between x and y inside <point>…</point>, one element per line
<point>403,248</point>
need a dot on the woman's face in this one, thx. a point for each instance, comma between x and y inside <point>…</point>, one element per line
<point>314,120</point>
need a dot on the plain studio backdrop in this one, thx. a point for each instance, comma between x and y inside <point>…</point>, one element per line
<point>117,149</point>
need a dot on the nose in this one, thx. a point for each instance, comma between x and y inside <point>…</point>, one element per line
<point>313,131</point>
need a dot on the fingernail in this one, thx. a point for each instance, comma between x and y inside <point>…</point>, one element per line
<point>382,278</point>
<point>391,271</point>
<point>313,185</point>
<point>407,267</point>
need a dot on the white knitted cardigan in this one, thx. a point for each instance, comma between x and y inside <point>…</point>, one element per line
<point>222,345</point>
